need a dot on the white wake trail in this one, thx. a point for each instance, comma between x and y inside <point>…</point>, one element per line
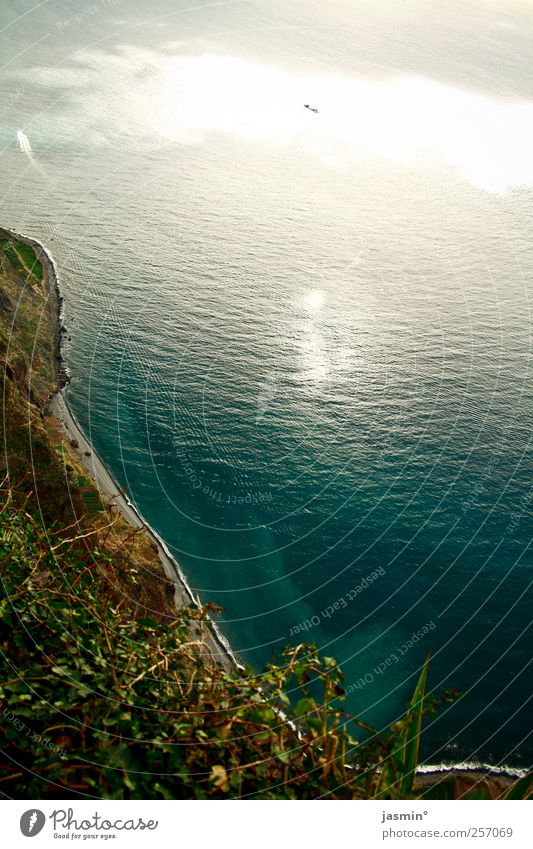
<point>24,144</point>
<point>25,147</point>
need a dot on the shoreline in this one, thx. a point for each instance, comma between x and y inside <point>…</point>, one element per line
<point>112,493</point>
<point>428,774</point>
<point>109,489</point>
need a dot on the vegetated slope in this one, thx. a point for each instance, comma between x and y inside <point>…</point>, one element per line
<point>106,689</point>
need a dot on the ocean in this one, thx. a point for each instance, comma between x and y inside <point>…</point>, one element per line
<point>302,340</point>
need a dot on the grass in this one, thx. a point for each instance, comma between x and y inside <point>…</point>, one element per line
<point>22,259</point>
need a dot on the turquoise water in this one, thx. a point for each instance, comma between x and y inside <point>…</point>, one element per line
<point>303,342</point>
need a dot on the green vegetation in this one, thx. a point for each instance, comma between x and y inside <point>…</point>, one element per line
<point>106,690</point>
<point>97,701</point>
<point>128,708</point>
<point>22,259</point>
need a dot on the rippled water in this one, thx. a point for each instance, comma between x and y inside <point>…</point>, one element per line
<point>305,347</point>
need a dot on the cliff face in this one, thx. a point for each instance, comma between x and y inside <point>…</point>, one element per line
<point>39,465</point>
<point>31,368</point>
<point>30,306</point>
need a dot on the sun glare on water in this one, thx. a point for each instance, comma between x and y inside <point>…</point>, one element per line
<point>314,299</point>
<point>185,99</point>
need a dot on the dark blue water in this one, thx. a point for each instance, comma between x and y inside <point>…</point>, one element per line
<point>306,348</point>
